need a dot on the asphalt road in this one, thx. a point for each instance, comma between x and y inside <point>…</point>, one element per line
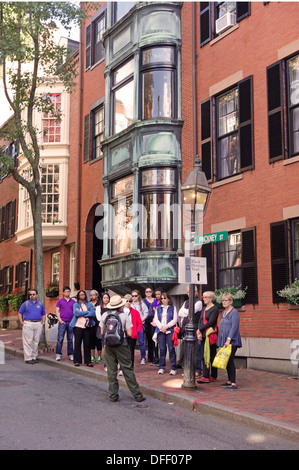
<point>44,408</point>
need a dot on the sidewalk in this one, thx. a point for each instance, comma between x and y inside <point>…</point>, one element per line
<point>264,400</point>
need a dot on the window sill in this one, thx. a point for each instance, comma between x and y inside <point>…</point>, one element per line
<point>288,161</point>
<point>231,30</point>
<point>94,160</point>
<point>231,179</point>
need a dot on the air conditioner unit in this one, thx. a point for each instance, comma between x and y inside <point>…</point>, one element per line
<point>225,22</point>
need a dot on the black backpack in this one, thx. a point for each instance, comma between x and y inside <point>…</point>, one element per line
<point>113,330</point>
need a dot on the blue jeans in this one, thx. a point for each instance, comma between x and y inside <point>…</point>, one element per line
<point>141,344</point>
<point>166,340</point>
<point>62,328</point>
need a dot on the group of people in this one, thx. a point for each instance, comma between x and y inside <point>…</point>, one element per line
<point>153,317</point>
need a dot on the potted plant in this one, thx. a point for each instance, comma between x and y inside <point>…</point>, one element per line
<point>290,293</point>
<point>237,293</point>
<point>52,290</point>
<point>3,302</point>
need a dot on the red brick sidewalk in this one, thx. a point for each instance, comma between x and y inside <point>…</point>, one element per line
<point>272,398</point>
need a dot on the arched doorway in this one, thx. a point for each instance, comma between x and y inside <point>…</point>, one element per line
<point>94,251</point>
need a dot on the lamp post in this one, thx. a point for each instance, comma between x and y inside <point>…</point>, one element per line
<point>196,192</point>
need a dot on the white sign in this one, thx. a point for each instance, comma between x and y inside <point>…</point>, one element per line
<point>192,270</point>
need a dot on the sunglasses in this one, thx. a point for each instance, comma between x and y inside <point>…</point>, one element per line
<point>134,295</point>
<point>129,301</point>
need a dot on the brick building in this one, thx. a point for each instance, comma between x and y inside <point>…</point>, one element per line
<point>159,83</point>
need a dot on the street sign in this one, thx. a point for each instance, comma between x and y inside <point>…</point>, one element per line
<point>192,270</point>
<point>210,237</point>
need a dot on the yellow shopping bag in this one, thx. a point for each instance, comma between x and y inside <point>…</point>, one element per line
<point>222,357</point>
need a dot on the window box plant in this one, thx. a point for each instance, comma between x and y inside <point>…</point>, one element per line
<point>15,300</point>
<point>52,290</point>
<point>290,293</point>
<point>3,302</point>
<point>237,293</point>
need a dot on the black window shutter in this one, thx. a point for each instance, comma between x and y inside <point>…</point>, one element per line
<point>246,123</point>
<point>205,22</point>
<point>88,46</point>
<point>279,258</point>
<point>86,150</point>
<point>206,138</point>
<point>208,252</point>
<point>17,275</point>
<point>249,268</point>
<point>275,112</point>
<point>243,10</point>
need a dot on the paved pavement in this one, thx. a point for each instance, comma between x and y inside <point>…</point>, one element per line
<point>264,400</point>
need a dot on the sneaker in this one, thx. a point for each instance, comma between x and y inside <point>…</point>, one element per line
<point>99,360</point>
<point>142,362</point>
<point>226,385</point>
<point>234,387</point>
<point>71,357</point>
<point>161,371</point>
<point>58,357</point>
<point>93,359</point>
<point>172,372</point>
<point>212,379</point>
<point>203,380</point>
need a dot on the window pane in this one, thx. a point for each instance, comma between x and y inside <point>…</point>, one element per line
<point>121,8</point>
<point>163,55</point>
<point>123,72</point>
<point>228,113</point>
<point>122,242</point>
<point>230,261</point>
<point>228,158</point>
<point>158,230</point>
<point>159,176</point>
<point>122,187</point>
<point>294,80</point>
<point>295,129</point>
<point>158,94</point>
<point>123,107</point>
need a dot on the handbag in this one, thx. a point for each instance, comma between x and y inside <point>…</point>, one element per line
<point>88,323</point>
<point>212,336</point>
<point>222,357</point>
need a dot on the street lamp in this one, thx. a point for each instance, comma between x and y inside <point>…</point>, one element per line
<point>196,192</point>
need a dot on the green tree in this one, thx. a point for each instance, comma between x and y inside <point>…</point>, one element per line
<point>29,57</point>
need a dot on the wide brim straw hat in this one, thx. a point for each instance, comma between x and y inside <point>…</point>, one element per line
<point>116,302</point>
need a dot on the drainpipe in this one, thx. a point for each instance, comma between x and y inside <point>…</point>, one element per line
<point>78,221</point>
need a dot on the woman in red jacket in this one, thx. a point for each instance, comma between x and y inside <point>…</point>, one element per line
<point>136,322</point>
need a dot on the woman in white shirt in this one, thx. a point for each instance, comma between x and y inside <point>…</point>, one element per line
<point>166,320</point>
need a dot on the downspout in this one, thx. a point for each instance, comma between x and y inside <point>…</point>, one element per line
<point>78,218</point>
<point>194,76</point>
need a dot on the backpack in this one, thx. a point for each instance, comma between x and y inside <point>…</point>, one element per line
<point>113,330</point>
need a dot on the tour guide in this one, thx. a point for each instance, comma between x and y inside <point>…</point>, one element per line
<point>114,355</point>
<point>32,316</point>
